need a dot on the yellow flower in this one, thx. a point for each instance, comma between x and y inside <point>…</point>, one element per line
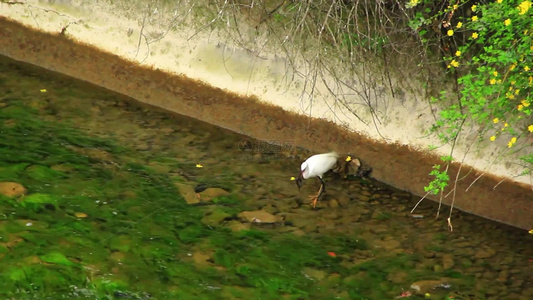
<point>454,63</point>
<point>348,158</point>
<point>520,107</point>
<point>493,81</point>
<point>475,35</point>
<point>450,32</point>
<point>530,128</point>
<point>507,22</point>
<point>457,53</point>
<point>474,7</point>
<point>531,231</point>
<point>517,91</point>
<point>459,25</point>
<point>455,6</point>
<point>512,83</point>
<point>524,7</point>
<point>495,120</point>
<point>505,125</point>
<point>495,73</point>
<point>499,1</point>
<point>413,2</point>
<point>510,96</point>
<point>493,138</point>
<point>292,178</point>
<point>526,68</point>
<point>199,166</point>
<point>43,90</point>
<point>525,103</point>
<point>474,18</point>
<point>512,67</point>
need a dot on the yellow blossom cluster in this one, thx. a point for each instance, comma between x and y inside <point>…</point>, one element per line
<point>524,7</point>
<point>493,80</point>
<point>453,63</point>
<point>413,3</point>
<point>511,142</point>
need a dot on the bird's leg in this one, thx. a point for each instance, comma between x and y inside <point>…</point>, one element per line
<point>320,191</point>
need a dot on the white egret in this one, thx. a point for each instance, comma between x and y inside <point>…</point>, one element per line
<point>316,166</point>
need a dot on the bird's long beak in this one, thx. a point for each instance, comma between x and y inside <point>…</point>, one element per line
<point>299,180</point>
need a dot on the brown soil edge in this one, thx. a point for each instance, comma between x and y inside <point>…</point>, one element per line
<point>396,165</point>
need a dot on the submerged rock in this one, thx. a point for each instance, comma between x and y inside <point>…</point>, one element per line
<point>447,261</point>
<point>484,252</point>
<point>95,154</point>
<point>215,218</point>
<point>260,216</point>
<point>201,260</point>
<point>427,286</point>
<point>314,274</point>
<point>398,277</point>
<point>212,193</point>
<point>238,226</point>
<point>12,189</point>
<point>187,191</point>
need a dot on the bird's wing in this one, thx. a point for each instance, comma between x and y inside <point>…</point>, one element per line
<point>321,163</point>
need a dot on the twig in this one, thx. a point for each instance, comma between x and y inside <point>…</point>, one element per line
<point>477,178</point>
<point>494,188</point>
<point>453,198</point>
<point>419,201</point>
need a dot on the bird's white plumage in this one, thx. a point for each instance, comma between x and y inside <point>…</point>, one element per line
<point>318,164</point>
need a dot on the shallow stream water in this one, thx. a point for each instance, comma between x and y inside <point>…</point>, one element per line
<point>104,198</point>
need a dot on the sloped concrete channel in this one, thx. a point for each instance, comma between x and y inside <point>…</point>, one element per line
<point>398,165</point>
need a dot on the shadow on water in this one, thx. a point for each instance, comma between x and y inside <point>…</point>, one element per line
<point>102,198</point>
